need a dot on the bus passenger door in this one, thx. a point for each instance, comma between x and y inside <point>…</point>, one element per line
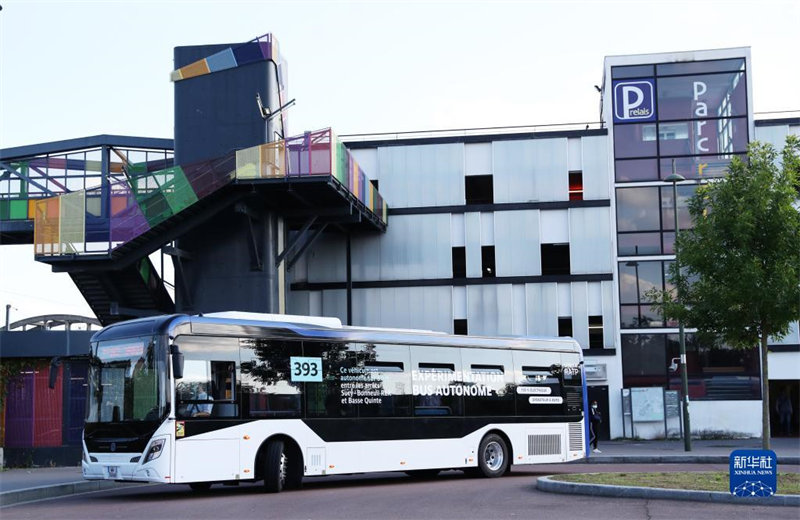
<point>207,405</point>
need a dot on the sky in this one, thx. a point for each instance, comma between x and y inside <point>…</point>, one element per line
<point>73,69</point>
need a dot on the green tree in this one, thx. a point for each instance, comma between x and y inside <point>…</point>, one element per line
<point>739,279</point>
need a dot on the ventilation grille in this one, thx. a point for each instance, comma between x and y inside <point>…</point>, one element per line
<point>576,437</point>
<point>315,459</point>
<point>544,444</point>
<point>574,401</point>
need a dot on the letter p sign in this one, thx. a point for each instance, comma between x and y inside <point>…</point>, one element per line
<point>634,101</point>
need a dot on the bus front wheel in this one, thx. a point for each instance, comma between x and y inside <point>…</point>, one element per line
<point>275,467</point>
<point>493,456</point>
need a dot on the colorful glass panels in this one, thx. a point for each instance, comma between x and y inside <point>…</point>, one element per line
<point>93,221</point>
<point>262,48</point>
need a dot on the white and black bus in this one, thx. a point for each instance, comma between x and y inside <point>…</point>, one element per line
<point>232,397</point>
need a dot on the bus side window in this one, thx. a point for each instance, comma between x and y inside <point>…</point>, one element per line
<point>489,382</point>
<point>267,388</point>
<point>386,389</point>
<point>438,381</point>
<point>340,365</point>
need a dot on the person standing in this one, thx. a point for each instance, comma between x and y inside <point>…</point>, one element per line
<point>595,418</point>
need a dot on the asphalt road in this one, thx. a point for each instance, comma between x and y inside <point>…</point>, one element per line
<point>388,496</point>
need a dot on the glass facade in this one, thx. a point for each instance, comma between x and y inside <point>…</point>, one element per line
<point>691,118</point>
<point>721,373</point>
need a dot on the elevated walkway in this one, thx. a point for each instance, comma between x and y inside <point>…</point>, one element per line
<point>103,235</point>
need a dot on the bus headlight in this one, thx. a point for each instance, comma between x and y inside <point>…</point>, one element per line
<point>155,450</point>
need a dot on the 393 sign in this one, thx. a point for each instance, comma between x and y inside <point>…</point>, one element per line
<point>305,369</point>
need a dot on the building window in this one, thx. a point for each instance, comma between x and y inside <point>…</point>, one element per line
<point>487,261</point>
<point>595,332</point>
<point>555,259</point>
<point>459,262</point>
<point>576,185</point>
<point>479,189</point>
<point>374,183</point>
<point>565,326</point>
<point>460,327</point>
<point>715,373</point>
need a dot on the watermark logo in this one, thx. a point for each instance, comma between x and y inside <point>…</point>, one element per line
<point>753,473</point>
<point>634,101</point>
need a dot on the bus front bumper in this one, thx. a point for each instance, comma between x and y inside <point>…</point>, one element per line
<point>126,472</point>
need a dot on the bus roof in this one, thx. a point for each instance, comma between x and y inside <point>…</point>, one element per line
<point>248,324</point>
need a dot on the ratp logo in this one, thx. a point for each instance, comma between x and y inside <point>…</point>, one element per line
<point>634,101</point>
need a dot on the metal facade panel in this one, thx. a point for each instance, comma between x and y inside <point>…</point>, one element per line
<point>413,247</point>
<point>590,240</point>
<point>315,303</point>
<point>487,229</point>
<point>512,165</point>
<point>489,310</point>
<point>435,306</point>
<point>596,299</point>
<point>298,303</point>
<point>574,148</point>
<point>580,313</point>
<point>327,260</point>
<point>422,175</point>
<point>457,237</point>
<point>596,177</point>
<point>505,309</point>
<point>473,244</point>
<point>609,322</point>
<point>367,308</point>
<point>542,309</point>
<point>550,169</point>
<point>791,338</point>
<point>519,325</point>
<point>554,226</point>
<point>334,304</point>
<point>366,256</point>
<point>426,308</point>
<point>774,135</point>
<point>530,170</point>
<point>478,159</point>
<point>459,303</point>
<point>517,246</point>
<point>564,299</point>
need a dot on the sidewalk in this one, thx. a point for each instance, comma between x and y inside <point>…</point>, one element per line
<point>703,452</point>
<point>21,485</point>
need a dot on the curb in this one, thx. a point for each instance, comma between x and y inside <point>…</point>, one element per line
<point>8,498</point>
<point>549,485</point>
<point>674,459</point>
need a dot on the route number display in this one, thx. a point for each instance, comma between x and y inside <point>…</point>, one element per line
<point>306,369</point>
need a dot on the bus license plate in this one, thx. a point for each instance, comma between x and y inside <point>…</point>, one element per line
<point>112,471</point>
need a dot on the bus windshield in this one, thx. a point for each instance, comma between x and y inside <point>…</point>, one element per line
<point>127,381</point>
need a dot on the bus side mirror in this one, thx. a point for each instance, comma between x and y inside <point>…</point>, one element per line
<point>177,362</point>
<point>54,364</point>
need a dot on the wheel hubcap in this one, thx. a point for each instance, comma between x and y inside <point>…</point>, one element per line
<point>282,469</point>
<point>493,456</point>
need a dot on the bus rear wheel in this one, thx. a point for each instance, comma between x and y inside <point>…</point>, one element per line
<point>493,456</point>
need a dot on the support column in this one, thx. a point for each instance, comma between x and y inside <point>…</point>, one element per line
<point>349,283</point>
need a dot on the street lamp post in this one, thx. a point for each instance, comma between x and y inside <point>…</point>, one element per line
<point>675,178</point>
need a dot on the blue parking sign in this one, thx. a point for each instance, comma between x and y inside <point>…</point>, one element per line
<point>753,473</point>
